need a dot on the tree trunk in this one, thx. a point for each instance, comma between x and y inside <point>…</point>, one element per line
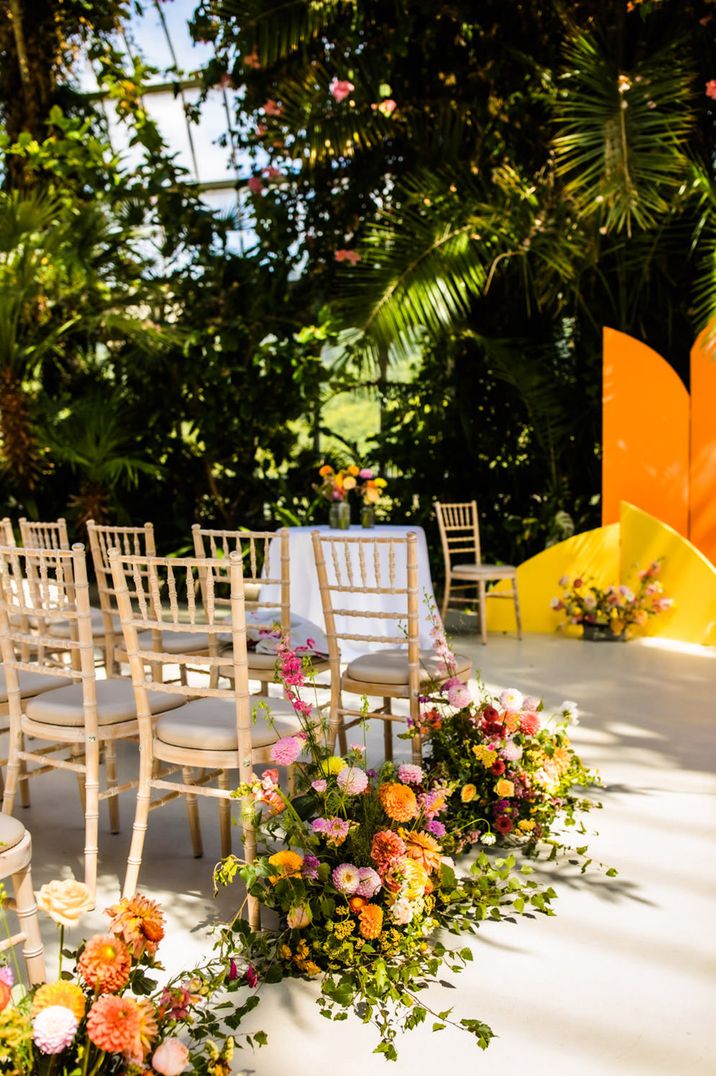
<point>21,457</point>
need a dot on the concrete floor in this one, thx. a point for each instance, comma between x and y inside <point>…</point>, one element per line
<point>620,982</point>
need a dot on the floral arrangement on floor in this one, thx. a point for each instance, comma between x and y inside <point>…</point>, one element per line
<point>511,773</point>
<point>108,1015</point>
<point>619,609</point>
<point>354,869</point>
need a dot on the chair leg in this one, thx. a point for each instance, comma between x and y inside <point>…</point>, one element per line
<point>387,732</point>
<point>482,601</point>
<point>446,596</point>
<point>91,790</point>
<point>192,810</point>
<point>248,836</point>
<point>26,909</point>
<point>24,784</point>
<point>224,816</point>
<point>110,767</point>
<point>518,618</point>
<point>147,766</point>
<point>417,750</point>
<point>77,755</point>
<point>13,773</point>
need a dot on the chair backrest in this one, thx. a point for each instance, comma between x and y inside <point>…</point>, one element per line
<point>42,587</point>
<point>369,578</point>
<point>459,532</point>
<point>159,595</point>
<point>39,535</point>
<point>7,535</point>
<point>254,547</point>
<point>131,541</point>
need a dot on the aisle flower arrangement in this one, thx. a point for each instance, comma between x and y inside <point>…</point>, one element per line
<point>618,610</point>
<point>355,870</point>
<point>109,1015</point>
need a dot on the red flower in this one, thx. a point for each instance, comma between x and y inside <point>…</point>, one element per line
<point>351,256</point>
<point>255,184</point>
<point>491,714</point>
<point>503,824</point>
<point>498,769</point>
<point>710,90</point>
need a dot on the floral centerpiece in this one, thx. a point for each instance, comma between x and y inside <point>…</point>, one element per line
<point>613,611</point>
<point>354,868</point>
<point>109,1015</point>
<point>336,487</point>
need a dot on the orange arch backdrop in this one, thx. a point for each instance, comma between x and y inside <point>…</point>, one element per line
<point>645,438</point>
<point>702,493</point>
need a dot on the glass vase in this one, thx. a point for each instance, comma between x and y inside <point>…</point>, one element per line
<point>367,516</point>
<point>602,633</point>
<point>339,516</point>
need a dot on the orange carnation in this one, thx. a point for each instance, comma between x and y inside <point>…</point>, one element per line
<point>371,920</point>
<point>69,995</point>
<point>105,963</point>
<point>139,922</point>
<point>113,1024</point>
<point>398,801</point>
<point>423,848</point>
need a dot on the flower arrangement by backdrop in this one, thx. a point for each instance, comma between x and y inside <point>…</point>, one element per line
<point>109,1015</point>
<point>337,485</point>
<point>355,870</point>
<point>618,609</point>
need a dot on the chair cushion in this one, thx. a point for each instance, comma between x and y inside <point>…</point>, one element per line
<point>62,628</point>
<point>11,832</point>
<point>483,571</point>
<point>210,724</point>
<point>184,642</point>
<point>391,667</point>
<point>115,703</point>
<point>33,683</point>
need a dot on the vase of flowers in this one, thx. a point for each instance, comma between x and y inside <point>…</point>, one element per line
<point>335,487</point>
<point>354,868</point>
<point>339,515</point>
<point>370,489</point>
<point>613,612</point>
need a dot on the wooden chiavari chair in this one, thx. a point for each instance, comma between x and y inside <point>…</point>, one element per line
<point>15,864</point>
<point>351,568</point>
<point>460,537</point>
<point>220,729</point>
<point>254,549</point>
<point>85,715</point>
<point>7,534</point>
<point>44,535</point>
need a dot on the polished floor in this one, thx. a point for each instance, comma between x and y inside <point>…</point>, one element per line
<point>621,982</point>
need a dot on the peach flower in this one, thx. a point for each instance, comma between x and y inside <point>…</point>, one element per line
<point>65,901</point>
<point>171,1058</point>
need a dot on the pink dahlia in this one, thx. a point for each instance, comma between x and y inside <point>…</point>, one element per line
<point>346,878</point>
<point>529,723</point>
<point>54,1028</point>
<point>286,750</point>
<point>369,884</point>
<point>352,780</point>
<point>409,774</point>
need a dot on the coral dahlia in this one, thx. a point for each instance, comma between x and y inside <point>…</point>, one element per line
<point>105,963</point>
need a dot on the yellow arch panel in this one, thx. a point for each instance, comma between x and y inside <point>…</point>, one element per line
<point>645,433</point>
<point>702,479</point>
<point>594,554</point>
<point>688,576</point>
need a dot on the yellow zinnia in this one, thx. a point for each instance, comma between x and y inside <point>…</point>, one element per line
<point>289,864</point>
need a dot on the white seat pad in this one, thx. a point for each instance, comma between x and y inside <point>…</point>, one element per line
<point>62,628</point>
<point>210,724</point>
<point>115,703</point>
<point>391,667</point>
<point>181,642</point>
<point>33,683</point>
<point>11,832</point>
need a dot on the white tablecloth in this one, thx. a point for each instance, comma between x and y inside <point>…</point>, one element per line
<point>306,597</point>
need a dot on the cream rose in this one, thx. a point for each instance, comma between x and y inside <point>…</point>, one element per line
<point>65,901</point>
<point>171,1058</point>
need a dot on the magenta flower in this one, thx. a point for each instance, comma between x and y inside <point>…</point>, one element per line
<point>251,977</point>
<point>319,785</point>
<point>309,867</point>
<point>365,473</point>
<point>286,750</point>
<point>6,974</point>
<point>437,829</point>
<point>409,774</point>
<point>339,89</point>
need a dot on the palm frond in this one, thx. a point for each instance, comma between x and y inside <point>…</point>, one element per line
<point>278,29</point>
<point>620,135</point>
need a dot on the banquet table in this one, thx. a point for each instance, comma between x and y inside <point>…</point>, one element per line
<point>306,596</point>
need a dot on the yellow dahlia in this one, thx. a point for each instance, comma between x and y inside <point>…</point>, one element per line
<point>416,879</point>
<point>68,994</point>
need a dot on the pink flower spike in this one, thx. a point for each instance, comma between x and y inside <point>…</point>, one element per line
<point>339,89</point>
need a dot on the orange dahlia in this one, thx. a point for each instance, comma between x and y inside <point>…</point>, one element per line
<point>385,849</point>
<point>105,963</point>
<point>113,1024</point>
<point>289,865</point>
<point>147,1024</point>
<point>68,994</point>
<point>423,848</point>
<point>139,922</point>
<point>371,920</point>
<point>398,801</point>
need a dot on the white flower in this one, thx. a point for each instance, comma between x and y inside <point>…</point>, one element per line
<point>401,911</point>
<point>570,711</point>
<point>511,699</point>
<point>488,838</point>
